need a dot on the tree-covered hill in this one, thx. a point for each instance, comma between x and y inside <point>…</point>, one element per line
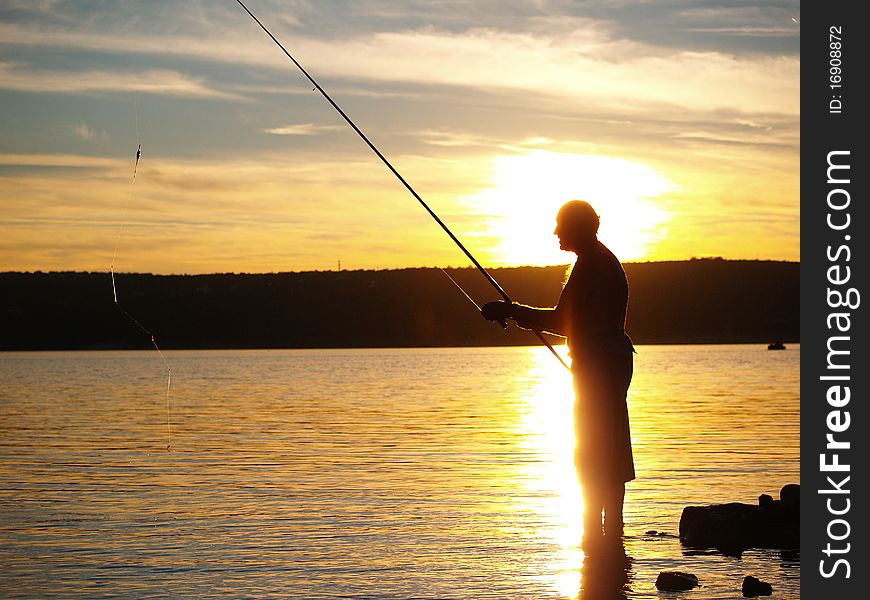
<point>696,301</point>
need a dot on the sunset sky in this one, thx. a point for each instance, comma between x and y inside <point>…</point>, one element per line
<point>678,120</point>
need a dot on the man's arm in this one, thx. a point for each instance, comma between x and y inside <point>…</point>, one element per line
<point>549,320</point>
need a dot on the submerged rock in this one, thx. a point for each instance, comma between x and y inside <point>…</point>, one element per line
<point>734,527</point>
<point>753,586</point>
<point>676,581</point>
<point>660,534</point>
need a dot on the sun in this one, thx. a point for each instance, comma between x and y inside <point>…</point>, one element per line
<point>519,209</point>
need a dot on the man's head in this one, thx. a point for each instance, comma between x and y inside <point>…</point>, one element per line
<point>576,226</point>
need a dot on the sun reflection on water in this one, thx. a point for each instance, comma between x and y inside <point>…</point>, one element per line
<point>546,426</point>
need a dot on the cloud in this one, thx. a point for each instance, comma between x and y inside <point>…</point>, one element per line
<point>165,82</point>
<point>56,160</point>
<point>588,63</point>
<point>740,14</point>
<point>202,215</point>
<point>582,66</point>
<point>747,30</point>
<point>302,129</point>
<point>466,140</point>
<point>83,131</point>
<point>455,139</point>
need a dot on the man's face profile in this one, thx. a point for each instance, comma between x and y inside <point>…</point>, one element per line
<point>576,226</point>
<point>564,233</point>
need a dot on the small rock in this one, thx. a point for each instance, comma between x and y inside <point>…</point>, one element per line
<point>651,532</point>
<point>676,581</point>
<point>765,499</point>
<point>752,586</point>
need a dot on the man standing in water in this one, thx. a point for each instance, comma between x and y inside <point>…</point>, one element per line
<point>591,314</point>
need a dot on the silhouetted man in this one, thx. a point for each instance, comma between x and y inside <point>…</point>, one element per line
<point>591,314</point>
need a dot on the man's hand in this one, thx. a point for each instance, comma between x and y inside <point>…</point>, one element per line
<point>497,311</point>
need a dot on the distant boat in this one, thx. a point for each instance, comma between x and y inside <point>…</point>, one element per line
<point>776,346</point>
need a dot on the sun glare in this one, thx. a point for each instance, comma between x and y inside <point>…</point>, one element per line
<point>521,206</point>
<point>547,427</point>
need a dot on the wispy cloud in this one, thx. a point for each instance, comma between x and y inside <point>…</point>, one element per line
<point>462,139</point>
<point>584,65</point>
<point>590,63</point>
<point>455,139</point>
<point>747,30</point>
<point>172,83</point>
<point>85,132</point>
<point>55,160</point>
<point>302,129</point>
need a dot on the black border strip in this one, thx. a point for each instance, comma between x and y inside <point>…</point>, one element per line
<point>834,263</point>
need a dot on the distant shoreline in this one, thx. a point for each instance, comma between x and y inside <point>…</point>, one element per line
<point>627,264</point>
<point>702,301</point>
<point>362,348</point>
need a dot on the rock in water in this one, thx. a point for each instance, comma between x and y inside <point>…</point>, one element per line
<point>729,527</point>
<point>752,586</point>
<point>734,527</point>
<point>675,581</point>
<point>790,494</point>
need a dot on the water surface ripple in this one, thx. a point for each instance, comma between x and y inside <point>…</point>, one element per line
<point>398,473</point>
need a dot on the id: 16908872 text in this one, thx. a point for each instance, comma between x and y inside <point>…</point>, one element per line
<point>835,69</point>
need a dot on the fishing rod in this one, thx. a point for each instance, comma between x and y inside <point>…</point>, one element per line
<point>389,165</point>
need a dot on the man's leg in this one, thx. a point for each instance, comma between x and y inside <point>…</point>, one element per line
<point>613,501</point>
<point>593,504</point>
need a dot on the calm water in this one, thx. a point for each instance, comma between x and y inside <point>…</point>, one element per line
<point>412,473</point>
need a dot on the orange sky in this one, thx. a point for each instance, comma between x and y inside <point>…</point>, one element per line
<point>679,123</point>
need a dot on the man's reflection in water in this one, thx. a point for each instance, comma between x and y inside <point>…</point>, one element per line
<point>606,573</point>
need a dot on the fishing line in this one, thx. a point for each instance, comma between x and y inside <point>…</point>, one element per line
<point>389,165</point>
<point>115,287</point>
<point>459,287</point>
